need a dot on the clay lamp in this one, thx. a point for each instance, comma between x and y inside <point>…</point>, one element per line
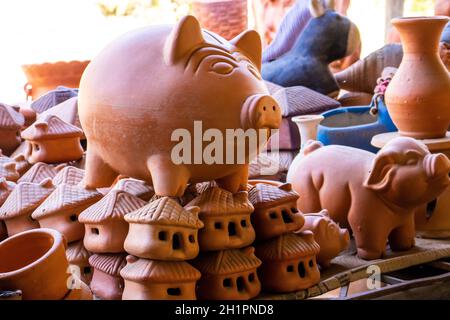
<point>40,171</point>
<point>226,217</point>
<point>69,175</point>
<point>136,187</point>
<point>106,283</point>
<point>163,230</point>
<point>228,275</point>
<point>158,280</point>
<point>35,262</point>
<point>62,207</point>
<point>288,262</point>
<point>78,256</point>
<point>276,210</point>
<point>11,121</point>
<point>105,227</point>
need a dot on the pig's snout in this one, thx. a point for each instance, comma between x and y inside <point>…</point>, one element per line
<point>261,112</point>
<point>437,166</point>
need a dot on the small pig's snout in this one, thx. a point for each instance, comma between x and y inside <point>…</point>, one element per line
<point>437,165</point>
<point>261,112</point>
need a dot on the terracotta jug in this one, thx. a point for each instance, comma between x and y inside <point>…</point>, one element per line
<point>418,97</point>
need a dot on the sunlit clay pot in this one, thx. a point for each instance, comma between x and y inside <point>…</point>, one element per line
<point>35,262</point>
<point>418,96</point>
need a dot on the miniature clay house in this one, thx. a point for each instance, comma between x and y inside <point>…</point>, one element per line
<point>106,283</point>
<point>6,187</point>
<point>105,227</point>
<point>8,171</point>
<point>226,217</point>
<point>288,262</point>
<point>52,140</point>
<point>136,187</point>
<point>163,230</point>
<point>276,210</point>
<point>228,275</point>
<point>22,165</point>
<point>18,207</point>
<point>158,280</point>
<point>69,175</point>
<point>11,121</point>
<point>61,209</point>
<point>40,171</point>
<point>78,256</point>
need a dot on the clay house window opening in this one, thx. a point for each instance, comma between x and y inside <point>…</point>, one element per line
<point>301,269</point>
<point>73,217</point>
<point>95,231</point>
<point>240,284</point>
<point>290,268</point>
<point>251,277</point>
<point>273,215</point>
<point>227,283</point>
<point>18,134</point>
<point>294,210</point>
<point>311,263</point>
<point>162,235</point>
<point>232,230</point>
<point>36,147</point>
<point>87,270</point>
<point>177,241</point>
<point>174,291</point>
<point>217,225</point>
<point>245,222</point>
<point>286,216</point>
<point>191,238</point>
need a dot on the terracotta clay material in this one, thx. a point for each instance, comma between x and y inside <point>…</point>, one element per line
<point>3,231</point>
<point>106,283</point>
<point>35,263</point>
<point>80,291</point>
<point>331,238</point>
<point>66,111</point>
<point>136,187</point>
<point>61,209</point>
<point>22,165</point>
<point>53,140</point>
<point>375,195</point>
<point>418,95</point>
<point>11,121</point>
<point>24,199</point>
<point>69,175</point>
<point>29,115</point>
<point>276,210</point>
<point>6,187</point>
<point>288,262</point>
<point>228,275</point>
<point>192,68</point>
<point>78,257</point>
<point>226,219</point>
<point>40,171</point>
<point>158,280</point>
<point>163,230</point>
<point>8,171</point>
<point>105,227</point>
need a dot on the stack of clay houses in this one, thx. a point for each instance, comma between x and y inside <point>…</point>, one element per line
<point>227,263</point>
<point>105,230</point>
<point>288,258</point>
<point>11,122</point>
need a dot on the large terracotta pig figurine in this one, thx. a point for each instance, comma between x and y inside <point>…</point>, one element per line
<point>375,195</point>
<point>150,82</point>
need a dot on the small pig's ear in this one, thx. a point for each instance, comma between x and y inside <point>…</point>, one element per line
<point>185,36</point>
<point>380,177</point>
<point>249,42</point>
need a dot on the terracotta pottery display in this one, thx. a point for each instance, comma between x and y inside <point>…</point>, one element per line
<point>40,171</point>
<point>35,263</point>
<point>61,209</point>
<point>228,275</point>
<point>53,140</point>
<point>78,256</point>
<point>48,76</point>
<point>24,199</point>
<point>11,121</point>
<point>105,227</point>
<point>226,219</point>
<point>418,95</point>
<point>192,68</point>
<point>163,230</point>
<point>8,171</point>
<point>136,187</point>
<point>69,175</point>
<point>276,210</point>
<point>330,237</point>
<point>375,195</point>
<point>158,280</point>
<point>227,18</point>
<point>106,283</point>
<point>66,111</point>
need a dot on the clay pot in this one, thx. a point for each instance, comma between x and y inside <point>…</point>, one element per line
<point>418,95</point>
<point>35,262</point>
<point>48,76</point>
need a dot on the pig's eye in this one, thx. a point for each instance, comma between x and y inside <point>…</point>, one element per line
<point>222,67</point>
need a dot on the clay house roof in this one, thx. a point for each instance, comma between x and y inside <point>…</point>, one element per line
<point>227,261</point>
<point>114,206</point>
<point>25,197</point>
<point>53,98</point>
<point>69,175</point>
<point>166,211</point>
<point>65,197</point>
<point>108,263</point>
<point>51,127</point>
<point>136,187</point>
<point>8,171</point>
<point>264,195</point>
<point>6,187</point>
<point>10,117</point>
<point>216,201</point>
<point>40,171</point>
<point>76,253</point>
<point>66,111</point>
<point>288,246</point>
<point>158,271</point>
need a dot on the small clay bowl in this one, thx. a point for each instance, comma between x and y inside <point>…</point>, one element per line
<point>35,262</point>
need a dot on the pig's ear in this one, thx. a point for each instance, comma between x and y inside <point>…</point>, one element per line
<point>249,42</point>
<point>380,177</point>
<point>185,36</point>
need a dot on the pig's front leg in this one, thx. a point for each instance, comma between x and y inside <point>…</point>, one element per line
<point>402,238</point>
<point>98,173</point>
<point>168,179</point>
<point>235,182</point>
